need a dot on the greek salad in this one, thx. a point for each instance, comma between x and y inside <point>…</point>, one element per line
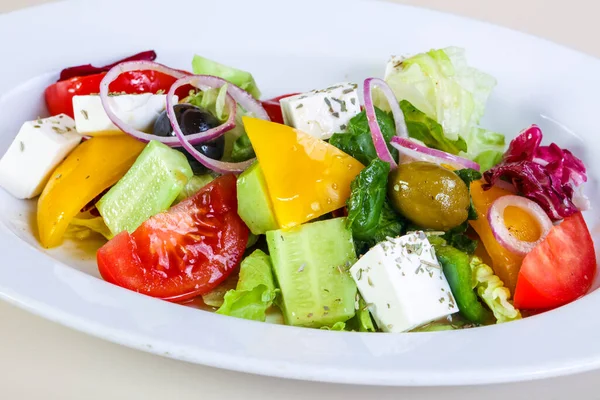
<point>374,206</point>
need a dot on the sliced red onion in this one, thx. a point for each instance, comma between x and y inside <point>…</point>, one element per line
<point>113,74</point>
<point>421,152</point>
<point>378,140</point>
<point>495,218</point>
<point>509,187</point>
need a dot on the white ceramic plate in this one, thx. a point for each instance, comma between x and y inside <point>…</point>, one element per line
<point>295,46</point>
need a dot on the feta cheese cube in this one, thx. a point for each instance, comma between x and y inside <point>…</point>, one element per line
<point>321,113</point>
<point>36,151</point>
<point>404,284</point>
<point>393,64</point>
<point>137,110</point>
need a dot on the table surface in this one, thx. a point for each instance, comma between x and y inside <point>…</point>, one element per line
<point>42,360</point>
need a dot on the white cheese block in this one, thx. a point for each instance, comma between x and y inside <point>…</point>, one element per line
<point>403,283</point>
<point>36,151</point>
<point>136,110</point>
<point>321,113</point>
<point>393,65</point>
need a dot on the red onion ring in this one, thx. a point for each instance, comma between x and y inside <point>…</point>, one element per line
<point>417,151</point>
<point>113,74</point>
<point>220,167</point>
<point>509,187</point>
<point>495,217</point>
<point>234,94</point>
<point>378,140</point>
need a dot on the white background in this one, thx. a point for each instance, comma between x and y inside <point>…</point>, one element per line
<point>42,360</point>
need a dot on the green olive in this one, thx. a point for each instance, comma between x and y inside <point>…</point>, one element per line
<point>431,196</point>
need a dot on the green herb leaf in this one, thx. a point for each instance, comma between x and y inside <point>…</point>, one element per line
<point>370,217</point>
<point>358,143</point>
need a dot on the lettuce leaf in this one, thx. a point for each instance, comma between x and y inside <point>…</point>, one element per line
<point>425,129</point>
<point>195,183</point>
<point>255,291</point>
<point>243,79</point>
<point>492,291</point>
<point>237,143</point>
<point>442,85</point>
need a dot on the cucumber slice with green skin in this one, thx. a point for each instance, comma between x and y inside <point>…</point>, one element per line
<point>254,203</point>
<point>311,265</point>
<point>150,186</point>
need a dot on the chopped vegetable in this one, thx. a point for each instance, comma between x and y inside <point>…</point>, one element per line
<point>93,166</point>
<point>370,218</point>
<point>255,291</point>
<point>181,253</point>
<point>428,131</point>
<point>89,69</point>
<point>243,79</point>
<point>442,85</point>
<point>560,269</point>
<point>192,187</point>
<point>358,143</point>
<point>504,263</point>
<point>486,148</point>
<point>501,232</point>
<point>254,204</point>
<point>457,269</point>
<point>362,321</point>
<point>306,177</point>
<point>311,265</point>
<point>149,187</point>
<point>492,291</point>
<point>82,227</point>
<point>548,175</point>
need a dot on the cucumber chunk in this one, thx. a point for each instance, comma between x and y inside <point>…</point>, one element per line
<point>254,203</point>
<point>149,187</point>
<point>311,264</point>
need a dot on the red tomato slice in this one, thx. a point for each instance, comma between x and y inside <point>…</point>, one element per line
<point>273,108</point>
<point>59,96</point>
<point>181,253</point>
<point>560,269</point>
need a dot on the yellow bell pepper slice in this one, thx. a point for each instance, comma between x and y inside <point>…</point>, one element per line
<point>306,177</point>
<point>93,166</point>
<point>520,223</point>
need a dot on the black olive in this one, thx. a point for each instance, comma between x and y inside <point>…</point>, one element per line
<point>192,120</point>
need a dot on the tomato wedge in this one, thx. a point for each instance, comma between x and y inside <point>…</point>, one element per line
<point>560,269</point>
<point>181,253</point>
<point>273,108</point>
<point>59,96</point>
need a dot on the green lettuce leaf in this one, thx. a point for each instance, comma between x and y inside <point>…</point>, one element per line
<point>243,79</point>
<point>338,326</point>
<point>441,84</point>
<point>425,129</point>
<point>195,183</point>
<point>491,290</point>
<point>242,149</point>
<point>255,291</point>
<point>358,142</point>
<point>486,148</point>
<point>237,144</point>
